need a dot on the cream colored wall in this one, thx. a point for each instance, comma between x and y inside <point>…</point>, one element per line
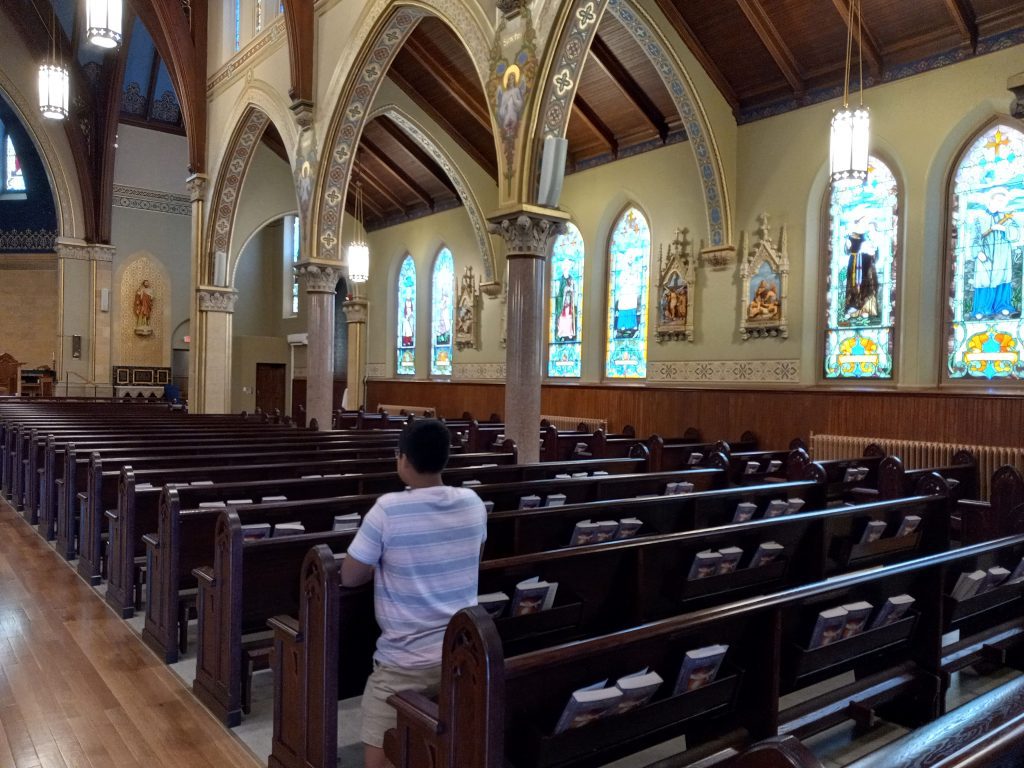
<point>151,159</point>
<point>29,308</point>
<point>246,352</point>
<point>918,125</point>
<point>267,193</point>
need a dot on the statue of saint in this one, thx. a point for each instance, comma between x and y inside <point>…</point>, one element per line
<point>143,309</point>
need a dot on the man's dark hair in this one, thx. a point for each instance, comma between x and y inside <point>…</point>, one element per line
<point>425,442</point>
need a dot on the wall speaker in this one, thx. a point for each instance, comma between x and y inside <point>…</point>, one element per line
<point>552,171</point>
<point>104,299</point>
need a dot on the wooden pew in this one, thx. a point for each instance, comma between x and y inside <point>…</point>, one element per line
<point>248,583</point>
<point>674,453</point>
<point>839,488</point>
<point>1001,516</point>
<point>496,711</point>
<point>603,587</point>
<point>559,445</point>
<point>893,478</point>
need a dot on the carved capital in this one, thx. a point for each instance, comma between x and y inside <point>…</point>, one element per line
<point>303,111</point>
<point>79,251</point>
<point>319,276</point>
<point>196,185</point>
<point>216,300</point>
<point>491,290</point>
<point>356,310</point>
<point>718,257</point>
<point>528,232</point>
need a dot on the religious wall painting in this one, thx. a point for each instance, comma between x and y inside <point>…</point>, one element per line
<point>565,315</point>
<point>986,332</point>
<point>405,364</point>
<point>442,314</point>
<point>513,76</point>
<point>676,282</point>
<point>629,257</point>
<point>860,300</point>
<point>765,283</point>
<point>467,312</point>
<point>142,308</point>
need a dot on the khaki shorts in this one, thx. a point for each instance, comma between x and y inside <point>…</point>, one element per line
<point>378,715</point>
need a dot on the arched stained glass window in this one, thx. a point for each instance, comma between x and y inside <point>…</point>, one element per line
<point>985,333</point>
<point>565,327</point>
<point>442,314</point>
<point>862,273</point>
<point>14,176</point>
<point>406,337</point>
<point>629,259</point>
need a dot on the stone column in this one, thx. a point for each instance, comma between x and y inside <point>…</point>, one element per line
<point>83,269</point>
<point>356,309</point>
<point>216,306</point>
<point>320,277</point>
<point>197,185</point>
<point>528,232</point>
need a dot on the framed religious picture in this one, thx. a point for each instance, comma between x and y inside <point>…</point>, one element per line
<point>676,296</point>
<point>765,279</point>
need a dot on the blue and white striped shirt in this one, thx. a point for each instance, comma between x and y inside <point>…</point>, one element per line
<point>425,547</point>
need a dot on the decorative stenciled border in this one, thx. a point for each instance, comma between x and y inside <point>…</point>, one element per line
<point>30,240</point>
<point>478,371</point>
<point>725,371</point>
<point>151,200</point>
<point>232,174</point>
<point>260,47</point>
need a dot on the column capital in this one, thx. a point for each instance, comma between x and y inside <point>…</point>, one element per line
<point>356,310</point>
<point>196,185</point>
<point>528,230</point>
<point>304,112</point>
<point>319,275</point>
<point>82,251</point>
<point>213,299</point>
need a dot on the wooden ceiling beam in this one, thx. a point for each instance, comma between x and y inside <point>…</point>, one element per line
<point>596,124</point>
<point>870,47</point>
<point>418,153</point>
<point>404,178</point>
<point>428,57</point>
<point>298,24</point>
<point>359,173</point>
<point>965,19</point>
<point>773,42</point>
<point>371,180</point>
<point>625,82</point>
<point>690,39</point>
<point>489,164</point>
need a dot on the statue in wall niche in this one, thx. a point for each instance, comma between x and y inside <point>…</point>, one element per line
<point>143,309</point>
<point>467,311</point>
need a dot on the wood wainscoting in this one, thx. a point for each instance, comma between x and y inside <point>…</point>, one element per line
<point>775,415</point>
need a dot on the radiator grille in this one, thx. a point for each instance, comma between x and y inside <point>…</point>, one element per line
<point>569,423</point>
<point>918,454</point>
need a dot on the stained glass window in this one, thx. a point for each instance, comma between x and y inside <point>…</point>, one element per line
<point>406,363</point>
<point>259,15</point>
<point>862,265</point>
<point>442,314</point>
<point>14,177</point>
<point>629,261</point>
<point>985,333</point>
<point>238,24</point>
<point>565,329</point>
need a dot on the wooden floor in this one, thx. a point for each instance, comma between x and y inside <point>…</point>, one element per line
<point>77,686</point>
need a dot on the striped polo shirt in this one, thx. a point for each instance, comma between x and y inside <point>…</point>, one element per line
<point>425,547</point>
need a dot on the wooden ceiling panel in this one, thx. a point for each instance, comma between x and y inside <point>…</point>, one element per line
<point>812,41</point>
<point>996,16</point>
<point>898,26</point>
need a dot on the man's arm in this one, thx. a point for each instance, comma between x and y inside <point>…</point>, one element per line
<point>355,573</point>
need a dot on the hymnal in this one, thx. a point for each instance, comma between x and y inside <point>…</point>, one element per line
<point>1018,573</point>
<point>212,505</point>
<point>700,667</point>
<point>529,502</point>
<point>893,609</point>
<point>684,487</point>
<point>670,489</point>
<point>606,530</point>
<point>255,531</point>
<point>471,483</point>
<point>851,475</point>
<point>598,473</point>
<point>857,615</point>
<point>745,510</point>
<point>996,576</point>
<point>774,465</point>
<point>555,500</point>
<point>579,474</point>
<point>348,522</point>
<point>794,505</point>
<point>201,482</point>
<point>311,477</point>
<point>563,476</point>
<point>704,564</point>
<point>588,704</point>
<point>238,502</point>
<point>628,527</point>
<point>695,458</point>
<point>908,525</point>
<point>766,553</point>
<point>872,531</point>
<point>637,689</point>
<point>533,596</point>
<point>288,529</point>
<point>776,507</point>
<point>969,584</point>
<point>752,468</point>
<point>585,532</point>
<point>270,499</point>
<point>494,603</point>
<point>730,559</point>
<point>828,628</point>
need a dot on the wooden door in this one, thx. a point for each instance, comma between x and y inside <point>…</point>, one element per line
<point>270,383</point>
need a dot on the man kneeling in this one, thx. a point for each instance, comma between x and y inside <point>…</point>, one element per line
<point>422,549</point>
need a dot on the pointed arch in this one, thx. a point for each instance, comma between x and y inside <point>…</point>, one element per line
<point>579,24</point>
<point>565,312</point>
<point>405,333</point>
<point>629,267</point>
<point>863,252</point>
<point>442,312</point>
<point>354,87</point>
<point>984,331</point>
<point>417,133</point>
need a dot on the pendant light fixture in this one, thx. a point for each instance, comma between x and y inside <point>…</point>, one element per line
<point>850,134</point>
<point>358,251</point>
<point>54,82</point>
<point>103,22</point>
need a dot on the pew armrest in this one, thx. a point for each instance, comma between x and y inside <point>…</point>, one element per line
<point>151,540</point>
<point>82,497</point>
<point>111,514</point>
<point>863,495</point>
<point>204,575</point>
<point>286,626</point>
<point>973,505</point>
<point>417,711</point>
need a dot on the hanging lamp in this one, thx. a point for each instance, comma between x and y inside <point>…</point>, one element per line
<point>850,134</point>
<point>54,81</point>
<point>358,251</point>
<point>103,22</point>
